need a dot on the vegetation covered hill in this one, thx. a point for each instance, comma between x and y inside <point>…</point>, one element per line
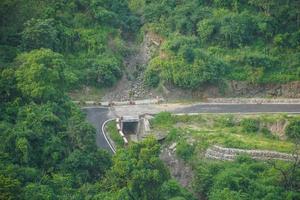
<point>88,33</point>
<point>49,47</point>
<point>47,149</point>
<point>209,41</point>
<point>189,137</point>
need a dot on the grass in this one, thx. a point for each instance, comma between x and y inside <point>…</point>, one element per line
<point>225,130</point>
<point>87,94</point>
<point>112,130</point>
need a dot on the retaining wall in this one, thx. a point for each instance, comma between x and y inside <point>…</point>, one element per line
<point>221,153</point>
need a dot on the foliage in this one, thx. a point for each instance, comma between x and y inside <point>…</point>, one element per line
<point>226,121</point>
<point>114,134</point>
<point>251,41</point>
<point>137,168</point>
<point>152,78</point>
<point>250,125</point>
<point>89,34</point>
<point>163,120</point>
<point>225,130</point>
<point>184,150</point>
<point>242,179</point>
<point>39,33</point>
<point>48,151</point>
<point>293,130</point>
<point>104,71</point>
<point>186,67</point>
<point>41,75</point>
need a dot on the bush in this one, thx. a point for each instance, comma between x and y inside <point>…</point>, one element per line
<point>184,150</point>
<point>163,119</point>
<point>151,77</point>
<point>267,133</point>
<point>104,70</point>
<point>172,135</point>
<point>114,134</point>
<point>293,129</point>
<point>226,121</point>
<point>250,125</point>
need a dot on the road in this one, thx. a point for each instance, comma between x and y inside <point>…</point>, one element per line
<point>240,108</point>
<point>98,115</point>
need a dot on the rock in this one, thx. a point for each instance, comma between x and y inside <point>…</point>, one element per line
<point>173,146</point>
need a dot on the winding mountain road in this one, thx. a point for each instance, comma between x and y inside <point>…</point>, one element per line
<point>98,115</point>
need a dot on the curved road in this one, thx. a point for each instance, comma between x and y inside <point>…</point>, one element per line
<point>98,115</point>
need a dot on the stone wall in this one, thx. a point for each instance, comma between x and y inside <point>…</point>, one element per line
<point>220,153</point>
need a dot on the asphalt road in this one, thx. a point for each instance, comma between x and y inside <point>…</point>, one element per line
<point>240,108</point>
<point>98,115</point>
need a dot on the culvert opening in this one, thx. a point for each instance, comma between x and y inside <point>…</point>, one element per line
<point>130,128</point>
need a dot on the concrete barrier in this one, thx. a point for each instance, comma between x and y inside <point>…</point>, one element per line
<point>119,127</point>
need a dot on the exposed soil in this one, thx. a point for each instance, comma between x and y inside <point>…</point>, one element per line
<point>178,168</point>
<point>131,86</point>
<point>233,89</point>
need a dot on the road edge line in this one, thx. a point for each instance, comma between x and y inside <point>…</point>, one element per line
<point>104,134</point>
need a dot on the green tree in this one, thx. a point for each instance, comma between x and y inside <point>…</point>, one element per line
<point>36,191</point>
<point>172,190</point>
<point>250,125</point>
<point>137,172</point>
<point>104,71</point>
<point>40,33</point>
<point>293,130</point>
<point>9,188</point>
<point>40,75</point>
<point>226,194</point>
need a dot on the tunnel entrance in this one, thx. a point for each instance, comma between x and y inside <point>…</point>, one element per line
<point>130,128</point>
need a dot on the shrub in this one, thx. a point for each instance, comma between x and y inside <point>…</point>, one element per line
<point>114,134</point>
<point>172,135</point>
<point>184,150</point>
<point>293,129</point>
<point>226,121</point>
<point>267,133</point>
<point>163,119</point>
<point>152,78</point>
<point>250,125</point>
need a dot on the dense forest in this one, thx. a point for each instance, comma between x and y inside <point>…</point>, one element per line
<point>47,149</point>
<point>49,47</point>
<point>209,41</point>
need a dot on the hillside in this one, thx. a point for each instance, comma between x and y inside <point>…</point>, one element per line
<point>211,42</point>
<point>206,153</point>
<point>53,52</point>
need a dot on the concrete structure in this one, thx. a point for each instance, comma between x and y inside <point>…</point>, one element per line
<point>136,128</point>
<point>97,114</point>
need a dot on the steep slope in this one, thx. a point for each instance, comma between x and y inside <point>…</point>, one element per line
<point>131,86</point>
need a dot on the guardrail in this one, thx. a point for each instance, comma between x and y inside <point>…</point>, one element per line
<point>119,127</point>
<point>113,149</point>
